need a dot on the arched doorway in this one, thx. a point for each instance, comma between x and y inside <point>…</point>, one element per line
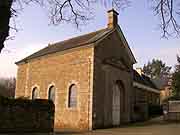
<point>116,106</point>
<point>122,100</point>
<point>118,103</point>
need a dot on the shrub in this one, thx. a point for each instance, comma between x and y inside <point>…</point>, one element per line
<point>155,110</point>
<point>24,115</point>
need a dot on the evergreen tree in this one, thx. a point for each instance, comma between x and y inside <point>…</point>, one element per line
<point>156,69</point>
<point>176,79</point>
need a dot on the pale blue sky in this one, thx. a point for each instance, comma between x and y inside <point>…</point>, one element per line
<point>137,22</point>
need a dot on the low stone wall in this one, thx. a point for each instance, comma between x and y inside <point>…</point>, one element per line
<point>172,116</point>
<point>140,112</point>
<point>22,115</point>
<point>171,110</point>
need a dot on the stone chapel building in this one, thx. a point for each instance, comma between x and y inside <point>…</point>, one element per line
<point>89,78</point>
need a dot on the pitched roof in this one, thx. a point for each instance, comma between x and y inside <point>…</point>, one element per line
<point>70,43</point>
<point>163,82</point>
<point>142,79</point>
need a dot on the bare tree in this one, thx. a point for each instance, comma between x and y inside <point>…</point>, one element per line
<point>169,13</point>
<point>7,87</point>
<point>80,11</point>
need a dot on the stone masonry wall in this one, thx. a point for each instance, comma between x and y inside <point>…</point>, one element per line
<point>61,70</point>
<point>142,99</point>
<point>105,77</point>
<point>21,81</point>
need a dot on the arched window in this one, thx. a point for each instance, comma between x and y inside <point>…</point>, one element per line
<point>72,99</point>
<point>35,94</point>
<point>51,93</point>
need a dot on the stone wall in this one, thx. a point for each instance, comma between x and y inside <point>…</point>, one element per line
<point>21,115</point>
<point>172,116</point>
<point>140,105</point>
<point>171,110</point>
<point>143,95</point>
<point>165,93</point>
<point>142,100</point>
<point>105,77</point>
<point>61,70</point>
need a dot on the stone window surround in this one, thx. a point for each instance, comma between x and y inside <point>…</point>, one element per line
<point>38,90</point>
<point>49,86</point>
<point>67,97</point>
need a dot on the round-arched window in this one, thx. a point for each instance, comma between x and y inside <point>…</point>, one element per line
<point>51,93</point>
<point>35,94</point>
<point>72,97</point>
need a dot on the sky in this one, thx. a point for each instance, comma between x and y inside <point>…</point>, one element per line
<point>137,22</point>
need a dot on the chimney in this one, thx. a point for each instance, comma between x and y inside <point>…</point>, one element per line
<point>112,18</point>
<point>140,71</point>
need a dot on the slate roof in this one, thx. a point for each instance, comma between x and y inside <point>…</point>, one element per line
<point>142,79</point>
<point>70,43</point>
<point>163,82</point>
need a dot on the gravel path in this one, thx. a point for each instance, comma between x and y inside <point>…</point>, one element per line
<point>153,127</point>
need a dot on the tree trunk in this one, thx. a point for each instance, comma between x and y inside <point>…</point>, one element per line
<point>5,15</point>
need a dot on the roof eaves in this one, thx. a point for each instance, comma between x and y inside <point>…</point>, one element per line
<point>145,87</point>
<point>127,45</point>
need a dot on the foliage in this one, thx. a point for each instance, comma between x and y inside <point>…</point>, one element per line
<point>177,67</point>
<point>176,79</point>
<point>5,14</point>
<point>155,110</point>
<point>24,115</point>
<point>171,98</point>
<point>156,69</point>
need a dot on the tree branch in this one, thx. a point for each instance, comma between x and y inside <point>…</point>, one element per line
<point>167,11</point>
